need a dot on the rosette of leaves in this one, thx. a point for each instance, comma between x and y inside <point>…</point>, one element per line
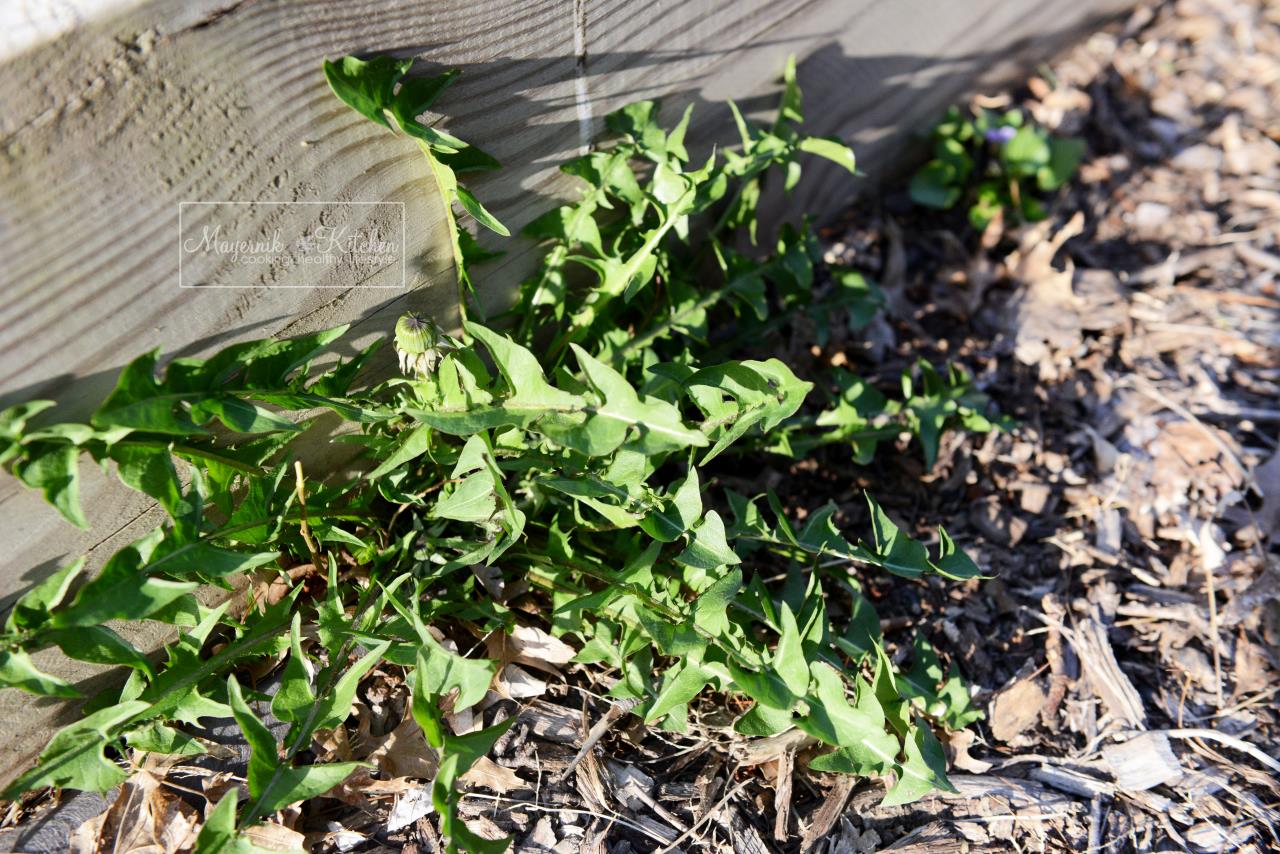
<point>500,467</point>
<point>994,162</point>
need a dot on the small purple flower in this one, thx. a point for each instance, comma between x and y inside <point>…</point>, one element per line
<point>1001,135</point>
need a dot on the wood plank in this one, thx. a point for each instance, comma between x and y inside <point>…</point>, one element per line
<point>142,106</point>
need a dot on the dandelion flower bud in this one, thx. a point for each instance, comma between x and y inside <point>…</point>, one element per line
<point>420,344</point>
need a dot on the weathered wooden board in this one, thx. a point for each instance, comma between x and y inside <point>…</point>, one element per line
<point>135,108</point>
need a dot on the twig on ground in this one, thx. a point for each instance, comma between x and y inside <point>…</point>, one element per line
<point>1222,738</point>
<point>711,812</point>
<point>782,795</point>
<point>597,732</point>
<point>1095,823</point>
<point>612,818</point>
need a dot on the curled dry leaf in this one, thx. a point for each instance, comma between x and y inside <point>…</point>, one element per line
<point>405,753</point>
<point>409,807</point>
<point>958,744</point>
<point>516,683</point>
<point>1045,323</point>
<point>1015,709</point>
<point>532,646</point>
<point>490,775</point>
<point>274,837</point>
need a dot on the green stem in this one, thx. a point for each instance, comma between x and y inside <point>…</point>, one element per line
<point>672,321</point>
<point>445,183</point>
<point>324,683</point>
<point>604,297</point>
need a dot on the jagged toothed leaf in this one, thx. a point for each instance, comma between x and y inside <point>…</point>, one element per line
<point>440,672</point>
<point>831,149</point>
<point>762,720</point>
<point>708,548</point>
<point>409,445</point>
<point>335,706</point>
<point>764,686</point>
<point>121,591</point>
<point>273,784</point>
<point>194,392</point>
<point>100,645</point>
<point>32,610</point>
<point>463,751</point>
<point>922,771</point>
<point>656,422</point>
<point>366,86</point>
<point>679,511</point>
<point>55,470</point>
<point>175,692</point>
<point>788,657</point>
<point>205,560</point>
<point>893,550</point>
<point>952,560</point>
<point>150,470</point>
<point>13,424</point>
<point>17,670</point>
<point>75,757</point>
<point>711,608</point>
<point>678,689</point>
<point>477,210</point>
<point>858,729</point>
<point>294,698</point>
<point>156,737</point>
<point>522,372</point>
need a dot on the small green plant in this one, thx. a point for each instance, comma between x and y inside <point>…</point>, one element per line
<point>860,417</point>
<point>581,475</point>
<point>994,162</point>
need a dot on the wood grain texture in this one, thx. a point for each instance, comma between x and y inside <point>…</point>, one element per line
<point>111,125</point>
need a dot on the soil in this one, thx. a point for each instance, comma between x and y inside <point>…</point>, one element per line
<point>1125,650</point>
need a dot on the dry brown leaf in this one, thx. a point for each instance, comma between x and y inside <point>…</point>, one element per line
<point>1015,709</point>
<point>404,752</point>
<point>404,755</point>
<point>958,744</point>
<point>1044,322</point>
<point>144,819</point>
<point>361,789</point>
<point>1250,673</point>
<point>516,683</point>
<point>532,646</point>
<point>489,774</point>
<point>274,837</point>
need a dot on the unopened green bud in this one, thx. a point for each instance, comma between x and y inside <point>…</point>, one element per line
<point>420,344</point>
<point>415,335</point>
